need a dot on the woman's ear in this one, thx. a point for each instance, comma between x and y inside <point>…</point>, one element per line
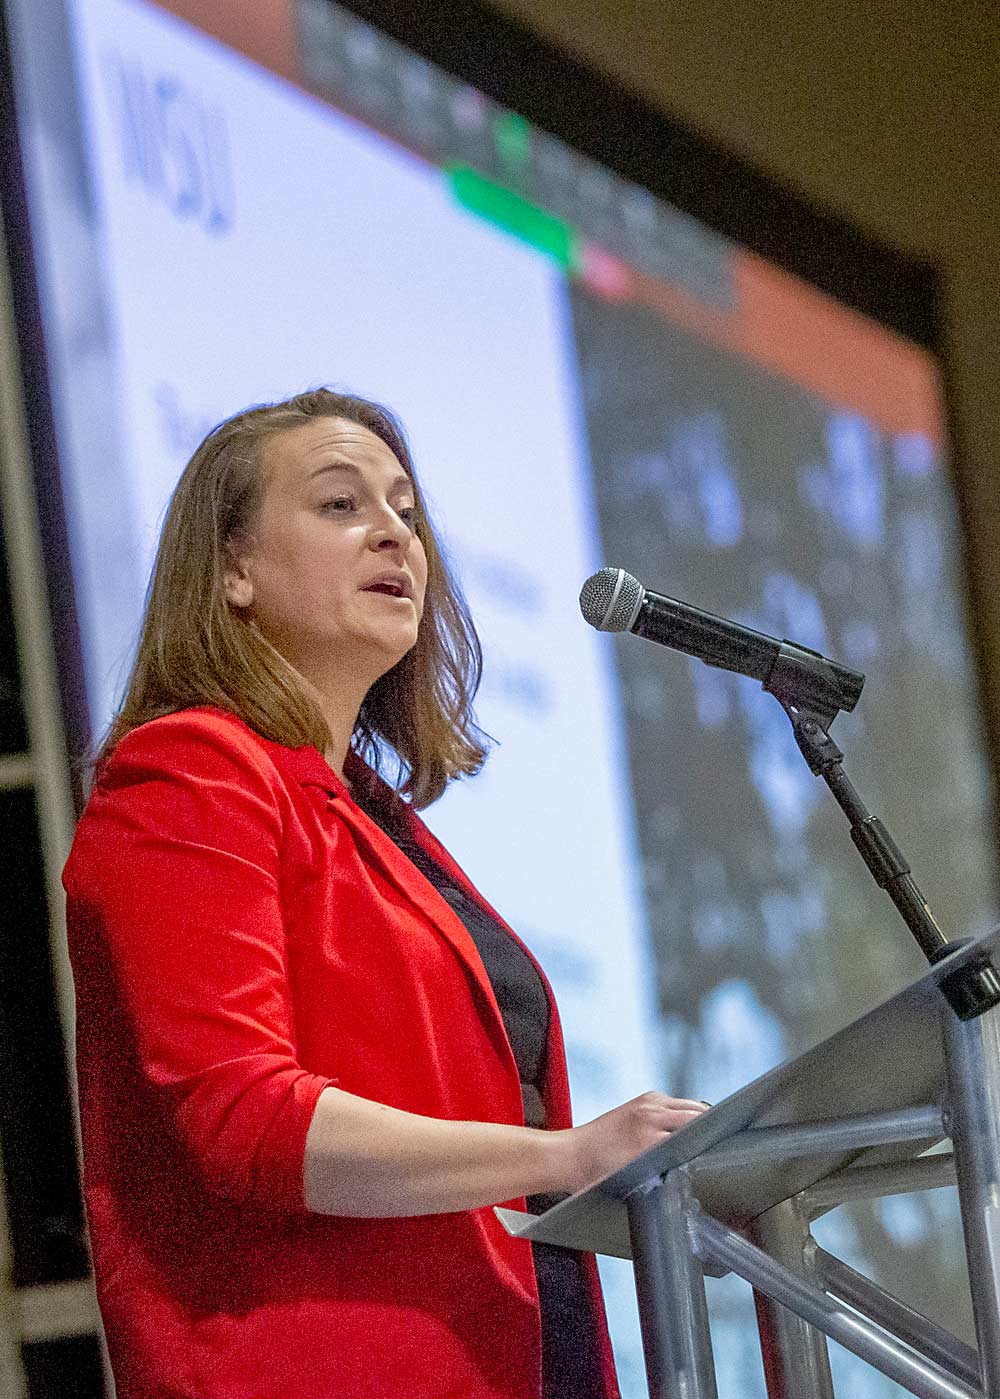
<point>236,581</point>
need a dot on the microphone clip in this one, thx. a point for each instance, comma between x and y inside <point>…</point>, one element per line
<point>801,679</point>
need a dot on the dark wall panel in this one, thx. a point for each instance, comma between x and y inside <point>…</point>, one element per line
<point>39,1153</point>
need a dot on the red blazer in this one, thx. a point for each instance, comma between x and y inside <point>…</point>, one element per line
<point>242,936</point>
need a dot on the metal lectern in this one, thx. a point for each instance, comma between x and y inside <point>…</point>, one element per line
<point>736,1190</point>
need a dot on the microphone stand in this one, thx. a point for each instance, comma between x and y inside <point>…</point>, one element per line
<point>809,692</point>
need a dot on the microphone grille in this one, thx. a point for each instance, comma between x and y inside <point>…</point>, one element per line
<point>610,599</point>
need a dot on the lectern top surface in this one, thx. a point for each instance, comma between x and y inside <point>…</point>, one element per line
<point>888,1060</point>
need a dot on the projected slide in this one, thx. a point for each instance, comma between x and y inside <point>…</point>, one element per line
<point>587,377</point>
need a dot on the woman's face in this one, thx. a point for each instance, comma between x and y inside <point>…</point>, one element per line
<point>337,513</point>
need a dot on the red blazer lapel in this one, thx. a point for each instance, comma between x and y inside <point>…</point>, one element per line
<point>309,767</point>
<point>417,889</point>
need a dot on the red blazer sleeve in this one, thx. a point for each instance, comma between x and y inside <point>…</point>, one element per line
<point>173,882</point>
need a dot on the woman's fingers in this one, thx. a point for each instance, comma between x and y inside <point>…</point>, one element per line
<point>696,1105</point>
<point>680,1117</point>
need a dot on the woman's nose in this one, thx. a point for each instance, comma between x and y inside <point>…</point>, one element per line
<point>391,531</point>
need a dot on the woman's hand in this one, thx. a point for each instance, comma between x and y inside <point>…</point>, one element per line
<point>602,1146</point>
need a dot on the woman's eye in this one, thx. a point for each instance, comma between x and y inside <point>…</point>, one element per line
<point>339,503</point>
<point>408,514</point>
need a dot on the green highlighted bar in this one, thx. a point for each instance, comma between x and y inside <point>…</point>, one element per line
<point>515,215</point>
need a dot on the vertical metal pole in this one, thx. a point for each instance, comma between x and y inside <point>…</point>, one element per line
<point>972,1118</point>
<point>13,1384</point>
<point>670,1285</point>
<point>796,1361</point>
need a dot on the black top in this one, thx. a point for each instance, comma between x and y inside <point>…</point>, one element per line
<point>570,1363</point>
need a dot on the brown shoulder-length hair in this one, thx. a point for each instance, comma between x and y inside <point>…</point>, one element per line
<point>195,649</point>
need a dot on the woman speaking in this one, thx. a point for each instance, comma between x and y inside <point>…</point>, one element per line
<point>310,1056</point>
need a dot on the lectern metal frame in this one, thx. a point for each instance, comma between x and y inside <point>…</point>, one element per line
<point>736,1191</point>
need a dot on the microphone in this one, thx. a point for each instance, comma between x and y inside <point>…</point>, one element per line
<point>612,600</point>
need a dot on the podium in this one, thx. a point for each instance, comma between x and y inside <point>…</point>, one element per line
<point>736,1189</point>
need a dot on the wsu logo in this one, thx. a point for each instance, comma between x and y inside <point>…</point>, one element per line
<point>174,144</point>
